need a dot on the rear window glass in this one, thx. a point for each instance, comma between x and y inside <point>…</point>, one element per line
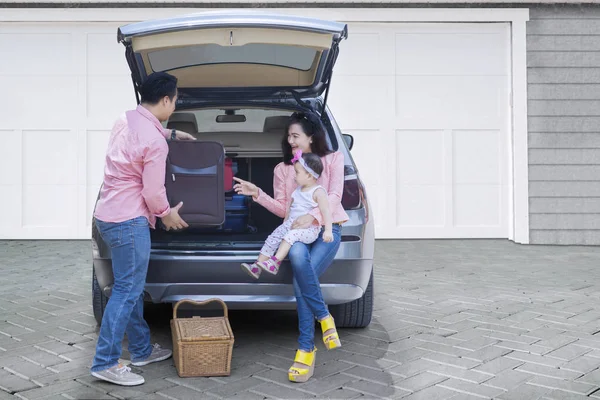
<point>300,58</point>
<point>255,120</point>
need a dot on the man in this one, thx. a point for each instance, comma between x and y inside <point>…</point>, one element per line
<point>132,197</point>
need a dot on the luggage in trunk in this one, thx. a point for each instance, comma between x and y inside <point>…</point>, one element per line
<point>194,175</point>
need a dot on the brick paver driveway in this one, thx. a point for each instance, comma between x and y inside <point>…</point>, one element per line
<point>453,319</point>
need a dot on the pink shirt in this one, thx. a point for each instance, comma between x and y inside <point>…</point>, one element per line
<point>134,175</point>
<point>284,184</point>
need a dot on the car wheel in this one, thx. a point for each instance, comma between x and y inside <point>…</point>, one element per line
<point>356,314</point>
<point>99,300</point>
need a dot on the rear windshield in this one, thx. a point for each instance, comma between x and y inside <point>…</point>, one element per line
<point>272,121</point>
<point>256,120</point>
<point>296,57</point>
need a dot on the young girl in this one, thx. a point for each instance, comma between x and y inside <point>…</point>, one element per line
<point>306,197</point>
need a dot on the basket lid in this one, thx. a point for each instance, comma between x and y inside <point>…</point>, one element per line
<point>195,329</point>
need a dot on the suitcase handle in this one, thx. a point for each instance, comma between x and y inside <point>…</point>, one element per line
<point>200,303</point>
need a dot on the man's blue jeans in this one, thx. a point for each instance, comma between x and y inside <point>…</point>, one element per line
<point>308,263</point>
<point>129,242</point>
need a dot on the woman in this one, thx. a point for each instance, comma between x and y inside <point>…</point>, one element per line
<point>303,132</point>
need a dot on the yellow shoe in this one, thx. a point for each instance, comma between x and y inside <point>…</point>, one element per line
<point>331,340</point>
<point>302,374</point>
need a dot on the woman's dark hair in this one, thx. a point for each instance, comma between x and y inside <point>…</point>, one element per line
<point>157,86</point>
<point>312,127</point>
<point>314,162</point>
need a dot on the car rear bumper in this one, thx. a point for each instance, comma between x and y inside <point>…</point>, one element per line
<point>172,278</point>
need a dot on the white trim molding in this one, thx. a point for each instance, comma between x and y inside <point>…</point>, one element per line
<point>165,3</point>
<point>517,17</point>
<point>340,14</point>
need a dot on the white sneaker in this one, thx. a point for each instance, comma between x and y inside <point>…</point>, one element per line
<point>158,354</point>
<point>119,375</point>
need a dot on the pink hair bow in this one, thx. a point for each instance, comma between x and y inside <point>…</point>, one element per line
<point>297,156</point>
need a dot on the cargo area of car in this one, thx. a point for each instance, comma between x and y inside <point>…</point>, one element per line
<point>254,154</point>
<point>260,222</point>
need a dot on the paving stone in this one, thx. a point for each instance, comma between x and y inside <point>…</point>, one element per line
<point>497,365</point>
<point>565,386</point>
<point>413,367</point>
<point>279,392</point>
<point>534,359</point>
<point>449,360</point>
<point>434,393</point>
<point>469,375</point>
<point>476,343</point>
<point>470,388</point>
<point>48,390</point>
<point>583,364</point>
<point>487,353</point>
<point>10,382</point>
<point>181,393</point>
<point>591,377</point>
<point>245,396</point>
<point>543,370</point>
<point>420,381</point>
<point>371,389</point>
<point>341,394</point>
<point>509,379</point>
<point>569,352</point>
<point>560,395</point>
<point>237,386</point>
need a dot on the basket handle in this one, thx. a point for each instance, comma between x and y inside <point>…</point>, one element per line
<point>200,303</point>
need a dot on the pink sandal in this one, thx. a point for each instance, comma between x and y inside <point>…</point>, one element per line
<point>271,265</point>
<point>252,269</point>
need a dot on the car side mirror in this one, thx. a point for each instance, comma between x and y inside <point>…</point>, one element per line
<point>349,140</point>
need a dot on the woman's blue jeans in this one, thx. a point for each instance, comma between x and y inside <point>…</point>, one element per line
<point>308,263</point>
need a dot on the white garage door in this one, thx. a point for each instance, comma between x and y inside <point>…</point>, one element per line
<point>426,103</point>
<point>428,106</point>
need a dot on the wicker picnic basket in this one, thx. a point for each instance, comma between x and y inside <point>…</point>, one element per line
<point>202,346</point>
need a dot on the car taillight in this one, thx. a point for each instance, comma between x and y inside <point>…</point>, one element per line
<point>354,196</point>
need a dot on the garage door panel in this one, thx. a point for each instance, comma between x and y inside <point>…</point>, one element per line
<point>446,53</point>
<point>477,205</point>
<point>50,206</point>
<point>420,157</point>
<point>107,98</point>
<point>96,144</point>
<point>450,101</point>
<point>363,54</point>
<point>35,53</point>
<point>477,157</point>
<point>91,194</point>
<point>420,206</point>
<point>105,56</point>
<point>11,204</point>
<point>10,162</point>
<point>50,157</point>
<point>38,102</point>
<point>360,102</point>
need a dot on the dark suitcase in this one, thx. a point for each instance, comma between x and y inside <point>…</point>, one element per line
<point>237,212</point>
<point>194,175</point>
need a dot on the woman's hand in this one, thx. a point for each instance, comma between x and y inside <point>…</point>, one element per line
<point>244,187</point>
<point>303,222</point>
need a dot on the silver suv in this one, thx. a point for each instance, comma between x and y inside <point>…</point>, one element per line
<point>241,75</point>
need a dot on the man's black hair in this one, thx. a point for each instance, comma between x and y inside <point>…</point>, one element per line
<point>157,86</point>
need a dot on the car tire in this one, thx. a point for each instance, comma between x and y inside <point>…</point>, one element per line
<point>99,300</point>
<point>356,314</point>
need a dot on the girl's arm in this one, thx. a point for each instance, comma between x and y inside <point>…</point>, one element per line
<point>335,186</point>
